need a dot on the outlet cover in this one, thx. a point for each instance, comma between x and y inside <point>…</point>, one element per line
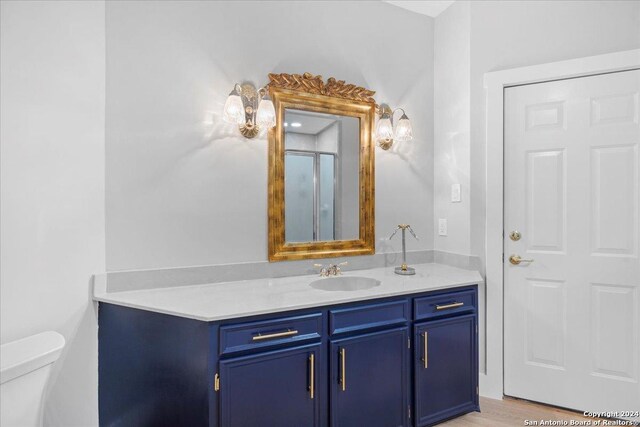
<point>455,193</point>
<point>442,227</point>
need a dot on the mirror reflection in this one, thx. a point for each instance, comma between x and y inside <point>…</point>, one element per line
<point>321,176</point>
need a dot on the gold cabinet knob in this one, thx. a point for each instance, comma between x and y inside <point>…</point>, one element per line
<point>515,259</point>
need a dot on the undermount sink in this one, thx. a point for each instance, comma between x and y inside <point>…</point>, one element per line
<point>344,283</point>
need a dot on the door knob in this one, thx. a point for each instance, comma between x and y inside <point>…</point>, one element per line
<point>515,235</point>
<point>515,259</point>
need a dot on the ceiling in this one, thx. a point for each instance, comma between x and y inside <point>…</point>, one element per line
<point>311,123</point>
<point>430,8</point>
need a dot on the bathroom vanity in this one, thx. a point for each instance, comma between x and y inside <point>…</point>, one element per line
<point>367,349</point>
<point>375,349</point>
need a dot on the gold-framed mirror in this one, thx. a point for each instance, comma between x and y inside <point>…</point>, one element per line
<point>321,169</point>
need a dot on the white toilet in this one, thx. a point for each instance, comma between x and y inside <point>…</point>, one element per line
<point>25,366</point>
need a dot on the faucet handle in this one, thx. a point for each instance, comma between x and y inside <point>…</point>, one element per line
<point>324,271</point>
<point>338,269</point>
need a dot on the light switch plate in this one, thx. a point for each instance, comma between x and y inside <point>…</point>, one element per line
<point>442,227</point>
<point>455,193</point>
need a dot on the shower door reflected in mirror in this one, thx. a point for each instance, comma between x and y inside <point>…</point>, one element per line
<point>321,188</point>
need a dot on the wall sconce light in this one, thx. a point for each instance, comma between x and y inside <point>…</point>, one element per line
<point>385,131</point>
<point>250,109</point>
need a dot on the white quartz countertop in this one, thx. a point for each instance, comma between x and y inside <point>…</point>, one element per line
<point>219,301</point>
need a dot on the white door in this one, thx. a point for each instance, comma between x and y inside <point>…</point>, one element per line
<point>571,321</point>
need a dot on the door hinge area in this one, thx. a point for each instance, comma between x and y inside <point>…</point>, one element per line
<point>216,382</point>
<point>408,342</point>
<point>409,411</point>
<point>478,390</point>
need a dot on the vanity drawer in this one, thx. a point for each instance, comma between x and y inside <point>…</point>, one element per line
<point>368,317</point>
<point>269,333</point>
<point>444,304</point>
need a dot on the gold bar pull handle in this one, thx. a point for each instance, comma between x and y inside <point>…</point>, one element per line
<point>312,379</point>
<point>286,333</point>
<point>425,359</point>
<point>343,369</point>
<point>452,305</point>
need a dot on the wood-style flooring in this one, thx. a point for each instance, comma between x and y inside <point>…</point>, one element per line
<point>511,412</point>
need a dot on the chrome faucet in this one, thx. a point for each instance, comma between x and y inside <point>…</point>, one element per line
<point>330,270</point>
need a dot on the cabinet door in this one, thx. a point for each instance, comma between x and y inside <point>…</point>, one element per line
<point>277,388</point>
<point>446,368</point>
<point>369,380</point>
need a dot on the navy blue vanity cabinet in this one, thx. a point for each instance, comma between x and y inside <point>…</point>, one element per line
<point>445,356</point>
<point>154,369</point>
<point>369,379</point>
<point>272,371</point>
<point>401,361</point>
<point>275,388</point>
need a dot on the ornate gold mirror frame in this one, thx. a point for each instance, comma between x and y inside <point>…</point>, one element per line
<point>311,93</point>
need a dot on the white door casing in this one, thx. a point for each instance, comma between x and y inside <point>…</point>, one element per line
<point>571,188</point>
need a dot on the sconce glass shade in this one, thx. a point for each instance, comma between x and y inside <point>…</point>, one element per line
<point>266,116</point>
<point>233,108</point>
<point>403,130</point>
<point>384,128</point>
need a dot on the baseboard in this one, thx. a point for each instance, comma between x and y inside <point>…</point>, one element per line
<point>490,388</point>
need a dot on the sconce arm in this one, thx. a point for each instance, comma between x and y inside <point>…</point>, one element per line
<point>398,109</point>
<point>385,109</point>
<point>264,90</point>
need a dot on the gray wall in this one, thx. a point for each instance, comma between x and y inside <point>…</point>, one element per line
<point>183,187</point>
<point>52,189</point>
<point>451,132</point>
<point>329,138</point>
<point>473,38</point>
<point>300,141</point>
<point>515,34</point>
<point>350,181</point>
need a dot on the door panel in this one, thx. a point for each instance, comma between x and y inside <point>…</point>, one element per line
<point>545,340</point>
<point>369,380</point>
<point>614,177</point>
<point>545,188</point>
<point>445,368</point>
<point>272,389</point>
<point>572,191</point>
<point>613,331</point>
<point>299,193</point>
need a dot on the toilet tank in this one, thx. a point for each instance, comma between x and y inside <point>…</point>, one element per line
<point>25,366</point>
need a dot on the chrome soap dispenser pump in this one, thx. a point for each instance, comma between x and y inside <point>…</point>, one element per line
<point>404,269</point>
